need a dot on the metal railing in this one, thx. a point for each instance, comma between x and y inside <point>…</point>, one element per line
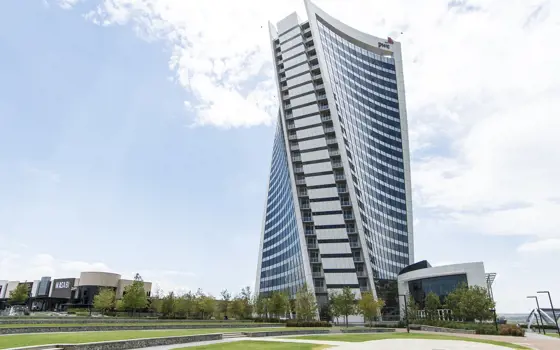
<point>325,118</point>
<point>292,136</point>
<point>361,273</point>
<point>307,219</point>
<point>317,274</point>
<point>342,190</point>
<point>301,182</point>
<point>304,205</point>
<point>291,126</point>
<point>354,244</point>
<point>298,170</point>
<point>329,129</point>
<point>358,259</point>
<point>348,217</point>
<point>323,107</point>
<point>332,141</point>
<point>302,193</point>
<point>314,259</point>
<point>309,232</point>
<point>346,203</point>
<point>339,177</point>
<point>296,159</point>
<point>294,147</point>
<point>319,86</point>
<point>337,165</point>
<point>320,290</point>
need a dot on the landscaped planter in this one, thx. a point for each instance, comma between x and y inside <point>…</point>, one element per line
<point>367,330</point>
<point>142,343</point>
<point>282,333</point>
<point>441,329</point>
<point>86,328</point>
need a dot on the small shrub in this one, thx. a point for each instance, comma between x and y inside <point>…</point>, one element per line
<point>267,320</point>
<point>512,330</point>
<point>295,323</point>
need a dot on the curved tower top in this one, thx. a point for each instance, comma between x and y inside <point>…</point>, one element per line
<point>342,120</point>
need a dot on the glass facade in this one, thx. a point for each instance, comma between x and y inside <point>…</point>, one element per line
<point>281,260</point>
<point>364,85</point>
<point>441,286</point>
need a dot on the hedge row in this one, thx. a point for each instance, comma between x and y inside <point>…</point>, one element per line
<point>295,323</point>
<point>479,328</point>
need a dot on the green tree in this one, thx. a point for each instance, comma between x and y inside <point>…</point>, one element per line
<point>134,296</point>
<point>470,303</point>
<point>345,303</point>
<point>333,305</point>
<point>260,305</point>
<point>168,305</point>
<point>431,305</point>
<point>155,302</point>
<point>412,309</point>
<point>305,304</point>
<point>237,307</point>
<point>247,299</point>
<point>279,303</point>
<point>19,295</point>
<point>224,304</point>
<point>205,304</point>
<point>369,307</point>
<point>104,300</point>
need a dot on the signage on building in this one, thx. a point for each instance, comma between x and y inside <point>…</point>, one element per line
<point>383,45</point>
<point>62,285</point>
<point>62,288</point>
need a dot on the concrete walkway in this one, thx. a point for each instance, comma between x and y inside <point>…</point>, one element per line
<point>386,344</point>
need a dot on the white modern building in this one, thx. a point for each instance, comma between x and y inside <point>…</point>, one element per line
<point>338,211</point>
<point>419,279</point>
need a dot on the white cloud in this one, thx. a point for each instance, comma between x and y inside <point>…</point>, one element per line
<point>546,245</point>
<point>17,266</point>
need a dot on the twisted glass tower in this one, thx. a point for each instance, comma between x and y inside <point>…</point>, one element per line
<point>339,209</point>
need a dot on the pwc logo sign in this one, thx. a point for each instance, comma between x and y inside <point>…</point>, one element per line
<point>385,45</point>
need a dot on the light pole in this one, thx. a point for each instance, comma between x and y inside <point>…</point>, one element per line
<point>539,312</point>
<point>553,312</point>
<point>405,312</point>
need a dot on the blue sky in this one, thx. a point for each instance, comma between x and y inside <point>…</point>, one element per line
<point>136,137</point>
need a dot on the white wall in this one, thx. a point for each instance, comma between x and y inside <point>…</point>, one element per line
<point>476,275</point>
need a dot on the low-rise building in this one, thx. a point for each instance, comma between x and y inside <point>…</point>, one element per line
<point>60,294</point>
<point>419,279</point>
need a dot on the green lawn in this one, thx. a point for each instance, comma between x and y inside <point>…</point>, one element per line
<point>24,325</point>
<point>552,335</point>
<point>19,340</point>
<point>368,337</point>
<point>258,345</point>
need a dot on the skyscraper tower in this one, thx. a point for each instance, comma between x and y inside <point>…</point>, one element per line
<point>339,209</point>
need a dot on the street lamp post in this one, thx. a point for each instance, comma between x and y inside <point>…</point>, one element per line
<point>405,312</point>
<point>553,312</point>
<point>539,312</point>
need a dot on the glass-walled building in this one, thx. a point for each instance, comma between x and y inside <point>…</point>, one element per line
<point>339,210</point>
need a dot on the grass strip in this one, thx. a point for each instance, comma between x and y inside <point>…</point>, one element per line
<point>369,337</point>
<point>20,340</point>
<point>257,345</point>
